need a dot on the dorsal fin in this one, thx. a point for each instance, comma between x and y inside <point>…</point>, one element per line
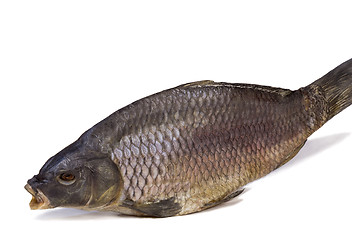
<point>281,91</point>
<point>197,84</point>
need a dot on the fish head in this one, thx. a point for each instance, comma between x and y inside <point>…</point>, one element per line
<point>75,177</point>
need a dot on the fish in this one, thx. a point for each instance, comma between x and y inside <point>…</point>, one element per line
<point>188,148</point>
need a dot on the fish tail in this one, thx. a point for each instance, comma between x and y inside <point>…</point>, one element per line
<point>336,87</point>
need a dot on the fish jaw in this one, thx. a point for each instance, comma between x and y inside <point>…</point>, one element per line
<point>39,200</point>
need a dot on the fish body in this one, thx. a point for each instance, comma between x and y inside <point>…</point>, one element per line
<point>188,148</point>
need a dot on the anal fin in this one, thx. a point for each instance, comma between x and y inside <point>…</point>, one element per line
<point>222,200</point>
<point>292,154</point>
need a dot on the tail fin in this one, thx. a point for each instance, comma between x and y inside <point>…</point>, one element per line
<point>337,88</point>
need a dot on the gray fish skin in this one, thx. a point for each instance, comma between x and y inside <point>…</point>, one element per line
<point>188,148</point>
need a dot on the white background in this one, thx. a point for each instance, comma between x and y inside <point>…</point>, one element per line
<point>65,65</point>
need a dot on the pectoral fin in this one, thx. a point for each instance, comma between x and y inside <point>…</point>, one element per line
<point>163,208</point>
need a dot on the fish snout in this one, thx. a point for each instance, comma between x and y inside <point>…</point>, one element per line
<point>39,200</point>
<point>33,183</point>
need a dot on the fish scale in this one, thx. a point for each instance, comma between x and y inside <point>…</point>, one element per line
<point>188,148</point>
<point>214,148</point>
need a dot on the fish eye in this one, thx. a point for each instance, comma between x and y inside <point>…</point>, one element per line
<point>66,178</point>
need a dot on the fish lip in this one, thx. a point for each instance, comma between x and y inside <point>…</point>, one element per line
<point>39,200</point>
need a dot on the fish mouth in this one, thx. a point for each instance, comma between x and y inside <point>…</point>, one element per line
<point>39,200</point>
